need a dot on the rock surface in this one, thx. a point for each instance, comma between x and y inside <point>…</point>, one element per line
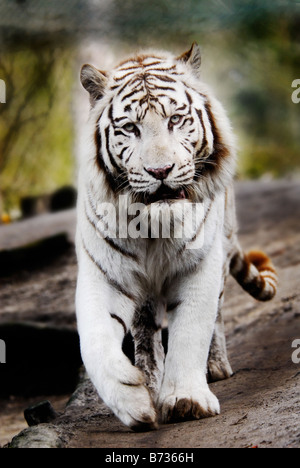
<point>259,405</point>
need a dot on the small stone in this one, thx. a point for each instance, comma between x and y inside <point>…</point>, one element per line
<point>42,412</point>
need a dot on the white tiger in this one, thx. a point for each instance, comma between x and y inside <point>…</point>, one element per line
<point>157,136</point>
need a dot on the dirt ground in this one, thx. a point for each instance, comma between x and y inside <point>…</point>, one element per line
<point>260,404</point>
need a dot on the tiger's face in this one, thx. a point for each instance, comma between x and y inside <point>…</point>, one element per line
<point>155,133</point>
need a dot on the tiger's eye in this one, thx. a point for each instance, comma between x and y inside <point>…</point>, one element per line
<point>129,127</point>
<point>175,119</point>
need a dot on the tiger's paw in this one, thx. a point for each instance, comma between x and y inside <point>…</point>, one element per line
<point>218,370</point>
<point>123,389</point>
<point>137,410</point>
<point>131,402</point>
<point>181,407</point>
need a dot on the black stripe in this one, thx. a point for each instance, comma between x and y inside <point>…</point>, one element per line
<point>119,119</point>
<point>124,86</point>
<point>163,88</point>
<point>144,100</point>
<point>152,64</point>
<point>129,156</point>
<point>132,93</point>
<point>163,78</point>
<point>186,148</point>
<point>189,97</point>
<point>110,280</point>
<point>111,158</point>
<point>220,149</point>
<point>173,305</point>
<point>110,113</point>
<point>203,222</point>
<point>186,120</point>
<point>138,181</point>
<point>182,181</point>
<point>184,174</point>
<point>93,207</point>
<point>138,79</point>
<point>98,143</point>
<point>134,67</point>
<point>116,317</point>
<point>120,156</point>
<point>183,248</point>
<point>172,101</point>
<point>181,108</point>
<point>163,109</point>
<point>200,116</point>
<point>99,217</point>
<point>160,69</point>
<point>190,88</point>
<point>203,146</point>
<point>182,167</point>
<point>109,240</point>
<point>119,132</point>
<point>120,249</point>
<point>124,76</point>
<point>101,164</point>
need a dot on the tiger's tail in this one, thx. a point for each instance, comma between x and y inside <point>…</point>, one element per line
<point>255,273</point>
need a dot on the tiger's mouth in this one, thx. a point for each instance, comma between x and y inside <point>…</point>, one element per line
<point>166,194</point>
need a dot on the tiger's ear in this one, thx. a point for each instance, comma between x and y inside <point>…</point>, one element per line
<point>94,81</point>
<point>193,58</point>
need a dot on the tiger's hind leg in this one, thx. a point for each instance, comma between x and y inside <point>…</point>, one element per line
<point>218,366</point>
<point>146,330</point>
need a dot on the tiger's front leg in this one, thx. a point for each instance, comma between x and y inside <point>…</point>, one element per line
<point>104,315</point>
<point>185,394</point>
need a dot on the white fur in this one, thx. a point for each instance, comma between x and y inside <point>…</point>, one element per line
<point>193,278</point>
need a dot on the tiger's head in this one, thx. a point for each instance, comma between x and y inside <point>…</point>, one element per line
<point>159,134</point>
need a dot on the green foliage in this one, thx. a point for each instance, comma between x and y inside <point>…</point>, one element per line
<point>271,159</point>
<point>141,21</point>
<point>35,123</point>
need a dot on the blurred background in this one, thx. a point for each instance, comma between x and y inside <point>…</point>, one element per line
<point>251,56</point>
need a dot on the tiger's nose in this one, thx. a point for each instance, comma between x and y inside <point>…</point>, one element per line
<point>160,173</point>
